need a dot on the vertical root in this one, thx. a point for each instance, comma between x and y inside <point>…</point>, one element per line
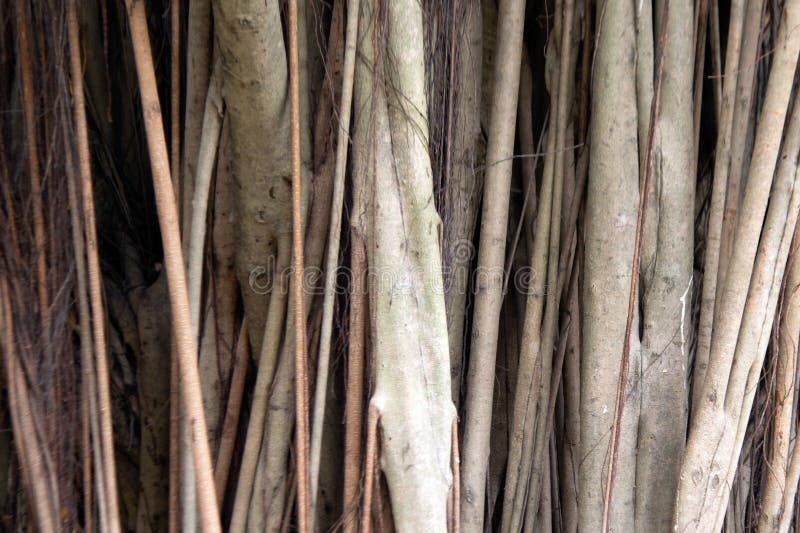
<point>300,371</point>
<point>86,459</point>
<point>333,245</point>
<point>30,454</point>
<point>173,259</point>
<point>455,510</point>
<point>369,469</point>
<point>175,96</point>
<point>95,289</point>
<point>266,371</point>
<point>722,157</point>
<point>174,444</point>
<point>355,383</point>
<point>228,433</point>
<point>33,167</point>
<point>90,428</point>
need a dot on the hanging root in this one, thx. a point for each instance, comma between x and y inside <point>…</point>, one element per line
<point>266,371</point>
<point>231,420</point>
<point>370,463</point>
<point>455,465</point>
<point>300,363</point>
<point>173,258</point>
<point>354,407</point>
<point>95,289</point>
<point>332,253</point>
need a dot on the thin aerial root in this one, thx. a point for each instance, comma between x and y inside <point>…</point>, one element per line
<point>355,383</point>
<point>95,288</point>
<point>173,518</point>
<point>369,469</point>
<point>175,97</point>
<point>26,441</point>
<point>228,435</point>
<point>456,493</point>
<point>647,165</point>
<point>88,386</point>
<point>86,459</point>
<point>332,257</point>
<point>300,371</point>
<point>258,405</point>
<point>28,110</point>
<point>175,268</point>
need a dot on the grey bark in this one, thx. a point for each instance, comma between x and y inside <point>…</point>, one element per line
<point>667,284</point>
<point>611,208</point>
<point>491,258</point>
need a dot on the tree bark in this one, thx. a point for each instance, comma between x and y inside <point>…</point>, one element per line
<point>491,260</point>
<point>611,209</point>
<point>667,283</point>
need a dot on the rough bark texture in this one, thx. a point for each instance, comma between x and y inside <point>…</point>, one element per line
<point>563,428</point>
<point>255,89</point>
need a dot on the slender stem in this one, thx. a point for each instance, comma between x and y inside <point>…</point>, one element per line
<point>258,405</point>
<point>86,458</point>
<point>300,371</point>
<point>34,470</point>
<point>456,462</point>
<point>176,276</point>
<point>491,255</point>
<point>354,400</point>
<point>175,97</point>
<point>647,168</point>
<point>174,442</point>
<point>28,112</point>
<point>175,160</point>
<point>209,142</point>
<point>228,435</point>
<point>722,157</point>
<point>90,428</point>
<point>332,257</point>
<point>369,470</point>
<point>95,289</point>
